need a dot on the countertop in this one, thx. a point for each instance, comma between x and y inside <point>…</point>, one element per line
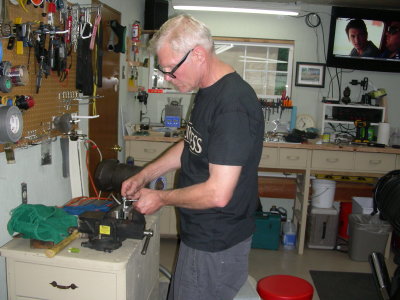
<point>312,145</point>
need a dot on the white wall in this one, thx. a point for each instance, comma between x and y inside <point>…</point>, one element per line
<point>308,48</point>
<point>46,184</point>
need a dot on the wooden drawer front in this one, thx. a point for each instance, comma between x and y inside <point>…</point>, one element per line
<point>147,151</point>
<point>293,158</point>
<point>33,280</point>
<point>332,160</point>
<point>269,157</point>
<point>375,162</point>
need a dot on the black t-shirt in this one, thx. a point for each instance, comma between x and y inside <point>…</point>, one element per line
<point>226,127</point>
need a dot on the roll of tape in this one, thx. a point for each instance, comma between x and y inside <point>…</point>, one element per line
<point>159,183</point>
<point>18,75</point>
<point>11,124</point>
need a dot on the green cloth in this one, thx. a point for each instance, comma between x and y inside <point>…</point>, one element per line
<point>44,223</point>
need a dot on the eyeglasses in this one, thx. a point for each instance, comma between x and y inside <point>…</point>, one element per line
<point>393,30</point>
<point>171,73</point>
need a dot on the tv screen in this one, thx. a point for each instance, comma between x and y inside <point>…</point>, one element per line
<point>364,39</point>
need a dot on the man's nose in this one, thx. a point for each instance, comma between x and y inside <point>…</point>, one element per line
<point>167,77</point>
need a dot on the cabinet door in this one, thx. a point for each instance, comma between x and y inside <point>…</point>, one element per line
<point>378,162</point>
<point>57,283</point>
<point>168,221</point>
<point>332,160</point>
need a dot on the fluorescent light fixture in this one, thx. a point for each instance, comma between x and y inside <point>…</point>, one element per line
<point>252,7</point>
<point>237,10</point>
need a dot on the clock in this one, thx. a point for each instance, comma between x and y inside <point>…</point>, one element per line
<point>304,121</point>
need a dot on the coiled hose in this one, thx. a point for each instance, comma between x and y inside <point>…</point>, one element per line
<point>387,198</point>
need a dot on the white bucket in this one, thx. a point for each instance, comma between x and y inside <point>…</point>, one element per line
<point>323,193</point>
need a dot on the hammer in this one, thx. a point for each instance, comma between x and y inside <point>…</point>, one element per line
<point>61,245</point>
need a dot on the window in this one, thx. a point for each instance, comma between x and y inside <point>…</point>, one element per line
<point>265,64</point>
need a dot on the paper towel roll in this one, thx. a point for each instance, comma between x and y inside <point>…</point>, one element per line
<point>383,133</point>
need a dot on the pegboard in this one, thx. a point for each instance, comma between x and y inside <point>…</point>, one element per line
<point>37,120</point>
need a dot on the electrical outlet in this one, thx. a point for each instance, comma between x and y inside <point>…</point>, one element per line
<point>24,193</point>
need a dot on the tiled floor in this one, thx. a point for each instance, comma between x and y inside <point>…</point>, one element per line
<point>268,262</point>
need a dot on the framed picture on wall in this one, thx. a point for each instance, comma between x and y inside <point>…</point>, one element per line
<point>310,74</point>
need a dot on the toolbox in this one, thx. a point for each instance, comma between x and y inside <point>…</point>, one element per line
<point>268,228</point>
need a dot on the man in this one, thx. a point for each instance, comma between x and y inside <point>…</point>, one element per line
<point>219,156</point>
<point>357,34</point>
<point>392,35</point>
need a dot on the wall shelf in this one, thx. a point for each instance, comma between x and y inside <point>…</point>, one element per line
<point>342,114</point>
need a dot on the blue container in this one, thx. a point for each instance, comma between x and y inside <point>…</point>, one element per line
<point>268,228</point>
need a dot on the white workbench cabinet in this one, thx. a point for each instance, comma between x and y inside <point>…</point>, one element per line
<point>124,274</point>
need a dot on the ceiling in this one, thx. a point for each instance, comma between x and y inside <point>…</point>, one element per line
<point>383,4</point>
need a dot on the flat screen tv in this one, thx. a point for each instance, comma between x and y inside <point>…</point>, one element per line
<point>346,49</point>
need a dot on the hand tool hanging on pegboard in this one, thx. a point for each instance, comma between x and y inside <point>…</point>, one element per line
<point>5,81</point>
<point>41,56</point>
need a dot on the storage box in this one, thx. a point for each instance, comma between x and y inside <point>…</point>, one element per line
<point>268,228</point>
<point>322,227</point>
<point>362,205</point>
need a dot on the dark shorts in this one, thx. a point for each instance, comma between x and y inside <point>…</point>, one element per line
<point>201,275</point>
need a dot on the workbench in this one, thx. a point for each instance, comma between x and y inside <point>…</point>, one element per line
<point>124,274</point>
<point>304,160</point>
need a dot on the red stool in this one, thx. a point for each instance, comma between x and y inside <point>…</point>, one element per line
<point>284,287</point>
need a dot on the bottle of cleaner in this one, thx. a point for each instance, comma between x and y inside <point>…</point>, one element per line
<point>289,235</point>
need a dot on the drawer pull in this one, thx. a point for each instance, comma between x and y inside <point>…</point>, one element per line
<point>63,287</point>
<point>292,157</point>
<point>332,160</point>
<point>375,161</point>
<point>149,150</point>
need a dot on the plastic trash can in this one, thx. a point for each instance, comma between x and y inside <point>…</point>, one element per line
<point>367,234</point>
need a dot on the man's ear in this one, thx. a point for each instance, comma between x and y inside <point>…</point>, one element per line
<point>199,54</point>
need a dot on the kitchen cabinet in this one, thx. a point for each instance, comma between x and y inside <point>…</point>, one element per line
<point>124,274</point>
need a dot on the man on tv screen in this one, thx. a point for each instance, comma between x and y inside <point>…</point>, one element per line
<point>357,34</point>
<point>392,41</point>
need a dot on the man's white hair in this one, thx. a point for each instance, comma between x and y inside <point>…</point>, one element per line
<point>182,33</point>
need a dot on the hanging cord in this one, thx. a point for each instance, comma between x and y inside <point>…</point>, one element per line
<point>95,73</point>
<point>88,141</point>
<point>386,195</point>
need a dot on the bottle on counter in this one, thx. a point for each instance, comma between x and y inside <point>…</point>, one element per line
<point>289,235</point>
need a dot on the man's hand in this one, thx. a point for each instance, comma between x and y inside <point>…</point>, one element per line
<point>149,201</point>
<point>131,186</point>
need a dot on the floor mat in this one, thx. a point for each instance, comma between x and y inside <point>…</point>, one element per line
<point>344,285</point>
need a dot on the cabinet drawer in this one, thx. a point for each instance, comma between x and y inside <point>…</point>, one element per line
<point>269,157</point>
<point>145,150</point>
<point>332,160</point>
<point>375,162</point>
<point>34,280</point>
<point>293,158</point>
